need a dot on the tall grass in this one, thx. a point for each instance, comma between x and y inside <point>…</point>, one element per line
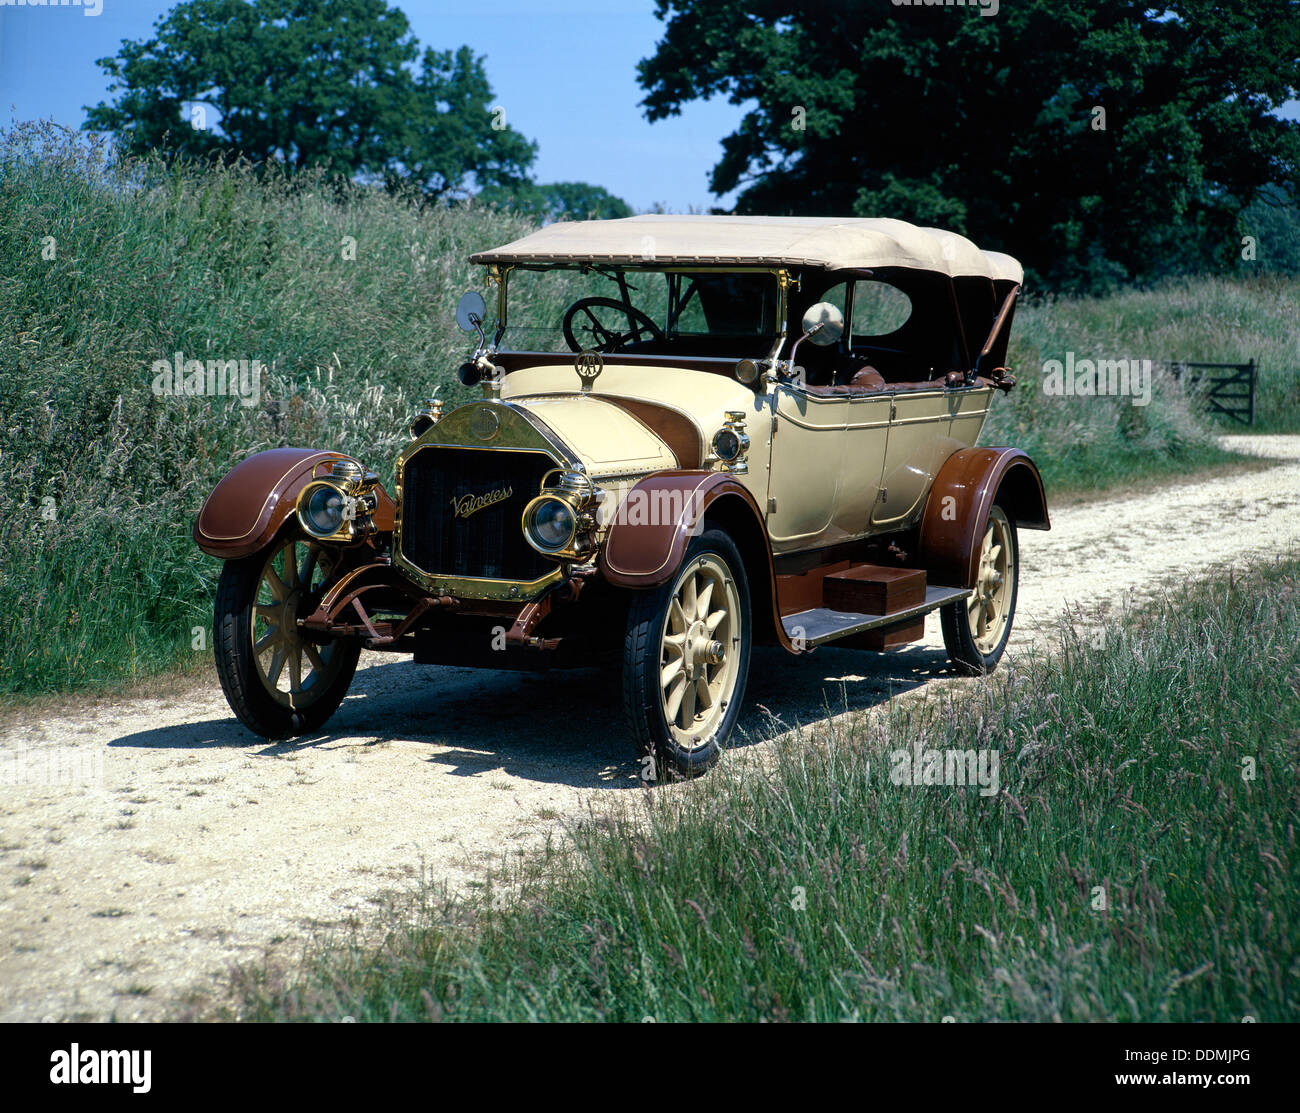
<point>1101,442</point>
<point>101,581</point>
<point>1139,862</point>
<point>107,266</point>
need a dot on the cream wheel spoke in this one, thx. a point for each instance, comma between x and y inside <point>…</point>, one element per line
<point>702,602</point>
<point>272,613</point>
<point>313,655</point>
<point>277,666</point>
<point>688,707</point>
<point>278,591</point>
<point>675,695</point>
<point>688,602</point>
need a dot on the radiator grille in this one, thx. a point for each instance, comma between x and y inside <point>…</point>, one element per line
<point>486,542</point>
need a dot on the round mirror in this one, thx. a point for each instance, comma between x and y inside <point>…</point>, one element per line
<point>823,324</point>
<point>471,311</point>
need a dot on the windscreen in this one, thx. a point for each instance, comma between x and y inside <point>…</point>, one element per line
<point>611,310</point>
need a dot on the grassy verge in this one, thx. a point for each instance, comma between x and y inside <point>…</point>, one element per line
<point>1139,861</point>
<point>1213,320</point>
<point>346,296</point>
<point>1094,444</point>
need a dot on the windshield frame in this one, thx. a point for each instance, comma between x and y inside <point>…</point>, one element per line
<point>498,275</point>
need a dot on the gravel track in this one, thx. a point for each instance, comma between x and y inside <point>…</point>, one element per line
<point>197,844</point>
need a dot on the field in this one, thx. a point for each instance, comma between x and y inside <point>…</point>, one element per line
<point>1136,860</point>
<point>346,295</point>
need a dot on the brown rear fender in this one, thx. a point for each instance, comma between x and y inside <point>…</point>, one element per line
<point>967,485</point>
<point>250,504</point>
<point>659,516</point>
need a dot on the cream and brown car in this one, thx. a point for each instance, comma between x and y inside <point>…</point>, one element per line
<point>696,434</point>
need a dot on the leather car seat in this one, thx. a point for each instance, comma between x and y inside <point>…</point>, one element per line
<point>868,378</point>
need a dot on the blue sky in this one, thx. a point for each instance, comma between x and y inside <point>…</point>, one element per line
<point>577,98</point>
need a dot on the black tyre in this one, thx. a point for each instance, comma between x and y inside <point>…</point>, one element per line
<point>276,682</point>
<point>686,659</point>
<point>976,630</point>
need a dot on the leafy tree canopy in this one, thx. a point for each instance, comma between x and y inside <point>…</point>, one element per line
<point>311,83</point>
<point>1112,139</point>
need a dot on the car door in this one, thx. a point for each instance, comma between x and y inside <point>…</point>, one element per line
<point>866,434</point>
<point>920,440</point>
<point>804,466</point>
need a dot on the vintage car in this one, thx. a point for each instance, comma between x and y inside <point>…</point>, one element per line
<point>706,433</point>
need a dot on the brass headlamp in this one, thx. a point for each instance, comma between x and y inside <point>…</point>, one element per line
<point>339,507</point>
<point>561,520</point>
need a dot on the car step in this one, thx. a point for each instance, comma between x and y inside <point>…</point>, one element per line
<point>818,625</point>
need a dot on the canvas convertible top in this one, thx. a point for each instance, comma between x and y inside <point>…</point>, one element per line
<point>830,243</point>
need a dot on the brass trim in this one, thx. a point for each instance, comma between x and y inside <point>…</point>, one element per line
<point>500,591</point>
<point>928,419</point>
<point>883,423</point>
<point>527,434</point>
<point>568,548</point>
<point>498,274</point>
<point>346,532</point>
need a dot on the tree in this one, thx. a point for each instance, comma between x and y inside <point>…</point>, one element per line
<point>559,201</point>
<point>310,83</point>
<point>446,143</point>
<point>1272,221</point>
<point>1108,138</point>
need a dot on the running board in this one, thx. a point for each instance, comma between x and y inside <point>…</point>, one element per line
<point>819,625</point>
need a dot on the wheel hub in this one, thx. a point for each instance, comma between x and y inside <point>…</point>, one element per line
<point>701,650</point>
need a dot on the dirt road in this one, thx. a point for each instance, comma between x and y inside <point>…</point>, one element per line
<point>195,844</point>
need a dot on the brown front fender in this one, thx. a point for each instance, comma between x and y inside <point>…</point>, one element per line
<point>660,515</point>
<point>248,507</point>
<point>958,505</point>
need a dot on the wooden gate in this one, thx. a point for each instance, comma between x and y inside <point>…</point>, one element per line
<point>1229,387</point>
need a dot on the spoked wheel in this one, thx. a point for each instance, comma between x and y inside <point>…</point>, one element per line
<point>975,631</point>
<point>686,658</point>
<point>278,682</point>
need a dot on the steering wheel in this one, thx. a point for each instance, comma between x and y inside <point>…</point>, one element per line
<point>607,338</point>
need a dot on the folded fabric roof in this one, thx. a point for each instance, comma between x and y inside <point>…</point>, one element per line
<point>832,243</point>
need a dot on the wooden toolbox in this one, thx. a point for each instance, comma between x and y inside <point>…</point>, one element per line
<point>874,589</point>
